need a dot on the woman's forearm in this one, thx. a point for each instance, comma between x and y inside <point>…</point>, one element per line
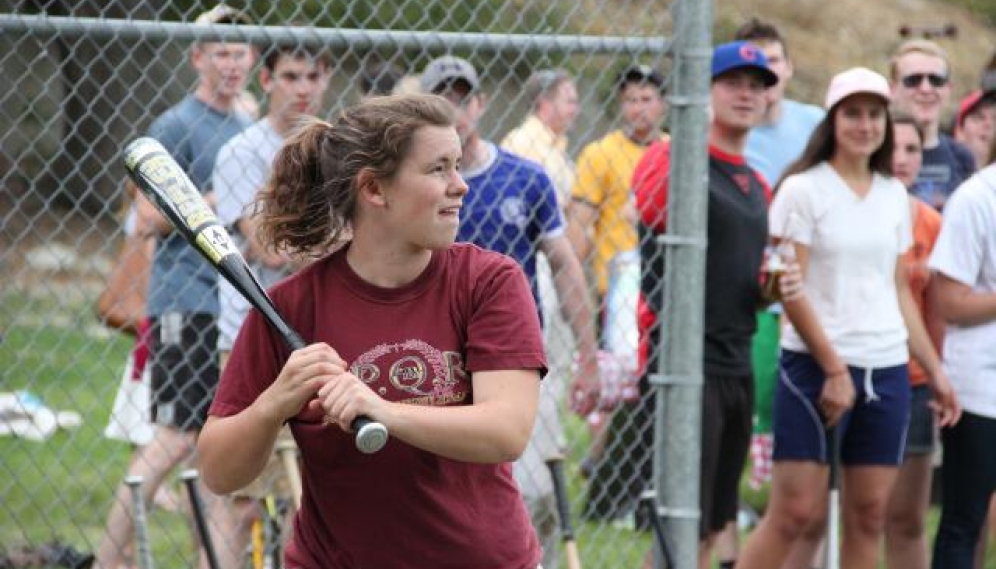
<point>495,428</point>
<point>920,345</point>
<point>806,323</point>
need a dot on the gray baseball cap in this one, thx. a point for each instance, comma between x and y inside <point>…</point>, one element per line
<point>446,71</point>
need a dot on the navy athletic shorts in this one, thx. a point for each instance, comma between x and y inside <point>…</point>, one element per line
<point>872,433</point>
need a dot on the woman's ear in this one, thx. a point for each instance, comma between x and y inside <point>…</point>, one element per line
<point>369,189</point>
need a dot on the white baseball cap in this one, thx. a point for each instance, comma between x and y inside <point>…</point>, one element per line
<point>857,80</point>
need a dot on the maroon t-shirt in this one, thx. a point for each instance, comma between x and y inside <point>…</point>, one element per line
<point>470,310</point>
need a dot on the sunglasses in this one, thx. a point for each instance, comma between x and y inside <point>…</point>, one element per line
<point>914,80</point>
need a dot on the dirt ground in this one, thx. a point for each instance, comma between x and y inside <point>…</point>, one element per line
<point>54,251</point>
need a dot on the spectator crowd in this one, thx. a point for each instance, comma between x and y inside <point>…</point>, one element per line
<point>874,353</point>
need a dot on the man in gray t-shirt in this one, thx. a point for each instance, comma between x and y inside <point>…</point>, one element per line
<point>182,296</point>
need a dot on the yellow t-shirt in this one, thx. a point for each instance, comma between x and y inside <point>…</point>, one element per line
<point>604,172</point>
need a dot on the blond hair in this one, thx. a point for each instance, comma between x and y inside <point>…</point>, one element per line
<point>923,46</point>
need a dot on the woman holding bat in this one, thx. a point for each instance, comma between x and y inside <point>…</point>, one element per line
<point>438,341</point>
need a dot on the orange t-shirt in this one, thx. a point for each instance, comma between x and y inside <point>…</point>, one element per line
<point>926,226</point>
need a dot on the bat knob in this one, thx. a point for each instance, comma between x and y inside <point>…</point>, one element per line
<point>134,480</point>
<point>370,435</point>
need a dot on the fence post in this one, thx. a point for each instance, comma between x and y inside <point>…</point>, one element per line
<point>679,389</point>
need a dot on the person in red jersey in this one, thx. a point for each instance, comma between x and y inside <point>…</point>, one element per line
<point>440,342</point>
<point>737,234</point>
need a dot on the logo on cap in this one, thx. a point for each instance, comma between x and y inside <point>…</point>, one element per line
<point>748,52</point>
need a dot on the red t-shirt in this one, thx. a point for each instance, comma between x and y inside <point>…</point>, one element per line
<point>470,310</point>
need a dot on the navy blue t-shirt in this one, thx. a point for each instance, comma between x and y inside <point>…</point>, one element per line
<point>510,208</point>
<point>944,168</point>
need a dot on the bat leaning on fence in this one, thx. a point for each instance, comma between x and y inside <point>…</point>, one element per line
<point>189,478</point>
<point>143,548</point>
<point>556,466</point>
<point>648,501</point>
<point>167,186</point>
<point>833,504</point>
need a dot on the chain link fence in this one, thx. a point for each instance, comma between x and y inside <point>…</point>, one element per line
<point>87,77</point>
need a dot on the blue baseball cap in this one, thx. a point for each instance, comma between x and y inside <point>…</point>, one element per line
<point>742,55</point>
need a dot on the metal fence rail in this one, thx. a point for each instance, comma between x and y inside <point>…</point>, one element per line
<point>86,78</point>
<point>336,38</point>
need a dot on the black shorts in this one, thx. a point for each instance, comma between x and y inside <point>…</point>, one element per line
<point>625,469</point>
<point>184,358</point>
<point>921,434</point>
<point>727,423</point>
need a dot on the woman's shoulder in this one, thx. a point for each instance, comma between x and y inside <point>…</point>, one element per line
<point>807,178</point>
<point>926,214</point>
<point>800,184</point>
<point>467,256</point>
<point>476,275</point>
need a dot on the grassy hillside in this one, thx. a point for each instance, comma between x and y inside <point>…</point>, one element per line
<point>826,37</point>
<point>986,9</point>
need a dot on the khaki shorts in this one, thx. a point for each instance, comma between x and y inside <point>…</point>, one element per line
<point>273,480</point>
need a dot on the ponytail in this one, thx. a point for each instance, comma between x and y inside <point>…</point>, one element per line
<point>303,209</point>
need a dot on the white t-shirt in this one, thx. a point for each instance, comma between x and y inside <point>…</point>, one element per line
<point>854,244</point>
<point>966,252</point>
<point>240,172</point>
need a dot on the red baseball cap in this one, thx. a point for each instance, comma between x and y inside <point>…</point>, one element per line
<point>971,102</point>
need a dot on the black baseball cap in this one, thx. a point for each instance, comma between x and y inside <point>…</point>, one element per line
<point>640,74</point>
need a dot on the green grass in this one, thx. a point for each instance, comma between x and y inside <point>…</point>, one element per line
<point>61,489</point>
